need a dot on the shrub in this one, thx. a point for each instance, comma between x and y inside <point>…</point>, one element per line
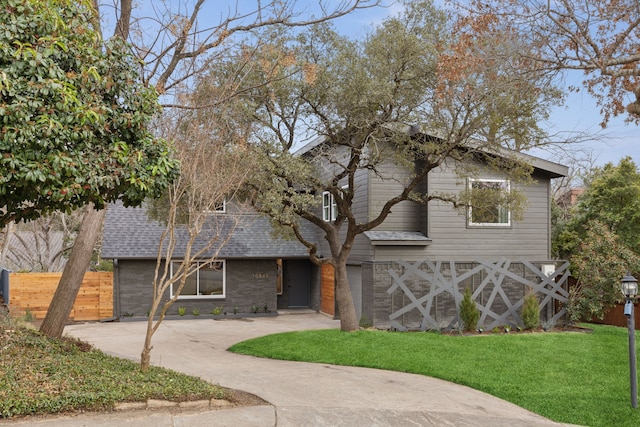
<point>365,323</point>
<point>469,313</point>
<point>599,265</point>
<point>531,311</point>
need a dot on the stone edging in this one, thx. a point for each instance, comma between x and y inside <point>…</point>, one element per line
<point>167,404</point>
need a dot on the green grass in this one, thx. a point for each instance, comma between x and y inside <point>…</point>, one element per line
<point>575,378</point>
<point>39,375</point>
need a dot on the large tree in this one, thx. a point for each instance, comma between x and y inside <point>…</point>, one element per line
<point>600,237</point>
<point>611,197</point>
<point>172,41</point>
<point>74,130</point>
<point>598,38</point>
<point>409,94</point>
<point>599,263</point>
<point>74,115</point>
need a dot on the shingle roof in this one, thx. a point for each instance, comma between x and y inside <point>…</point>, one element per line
<point>129,234</point>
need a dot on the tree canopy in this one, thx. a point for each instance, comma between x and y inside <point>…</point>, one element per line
<point>596,37</point>
<point>600,237</point>
<point>74,114</point>
<point>611,197</point>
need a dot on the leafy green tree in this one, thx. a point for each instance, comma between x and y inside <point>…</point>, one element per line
<point>599,264</point>
<point>361,98</point>
<point>612,197</point>
<point>74,133</point>
<point>74,114</point>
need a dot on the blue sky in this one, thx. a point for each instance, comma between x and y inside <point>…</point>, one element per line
<point>579,114</point>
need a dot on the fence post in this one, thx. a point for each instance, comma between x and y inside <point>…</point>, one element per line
<point>4,285</point>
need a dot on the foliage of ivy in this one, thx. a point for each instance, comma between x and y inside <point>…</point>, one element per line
<point>74,114</point>
<point>41,375</point>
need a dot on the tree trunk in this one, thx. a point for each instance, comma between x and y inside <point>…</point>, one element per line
<point>73,273</point>
<point>348,318</point>
<point>8,231</point>
<point>145,356</point>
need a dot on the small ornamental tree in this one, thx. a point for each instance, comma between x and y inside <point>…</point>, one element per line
<point>531,311</point>
<point>469,314</point>
<point>214,164</point>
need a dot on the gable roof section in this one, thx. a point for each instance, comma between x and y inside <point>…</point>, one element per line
<point>554,170</point>
<point>130,234</point>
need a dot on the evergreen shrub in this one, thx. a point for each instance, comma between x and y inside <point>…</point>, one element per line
<point>531,311</point>
<point>469,313</point>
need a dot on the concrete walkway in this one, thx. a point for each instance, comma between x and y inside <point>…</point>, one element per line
<point>301,394</point>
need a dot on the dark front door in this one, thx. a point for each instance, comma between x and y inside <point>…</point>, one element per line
<point>296,277</point>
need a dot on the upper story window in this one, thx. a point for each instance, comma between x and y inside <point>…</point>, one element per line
<point>329,207</point>
<point>208,281</point>
<point>486,208</point>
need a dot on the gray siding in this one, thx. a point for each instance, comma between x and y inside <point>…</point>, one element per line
<point>405,216</point>
<point>354,273</point>
<point>452,239</point>
<point>361,248</point>
<point>248,282</point>
<point>447,227</point>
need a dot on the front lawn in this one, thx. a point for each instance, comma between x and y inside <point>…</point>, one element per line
<point>40,375</point>
<point>569,377</point>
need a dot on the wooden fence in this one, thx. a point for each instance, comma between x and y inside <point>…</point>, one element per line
<point>34,291</point>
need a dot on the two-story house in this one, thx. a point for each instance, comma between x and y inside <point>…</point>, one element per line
<point>404,273</point>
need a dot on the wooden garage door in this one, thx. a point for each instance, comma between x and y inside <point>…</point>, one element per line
<point>327,290</point>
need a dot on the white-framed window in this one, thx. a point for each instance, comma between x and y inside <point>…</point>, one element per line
<point>220,207</point>
<point>207,281</point>
<point>486,209</point>
<point>329,207</point>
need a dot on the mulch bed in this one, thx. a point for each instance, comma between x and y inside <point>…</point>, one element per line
<point>501,330</point>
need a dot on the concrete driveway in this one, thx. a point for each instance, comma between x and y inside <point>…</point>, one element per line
<point>302,394</point>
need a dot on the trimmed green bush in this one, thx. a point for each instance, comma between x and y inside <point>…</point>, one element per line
<point>531,312</point>
<point>469,313</point>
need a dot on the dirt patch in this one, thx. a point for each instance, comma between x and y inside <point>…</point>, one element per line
<point>242,398</point>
